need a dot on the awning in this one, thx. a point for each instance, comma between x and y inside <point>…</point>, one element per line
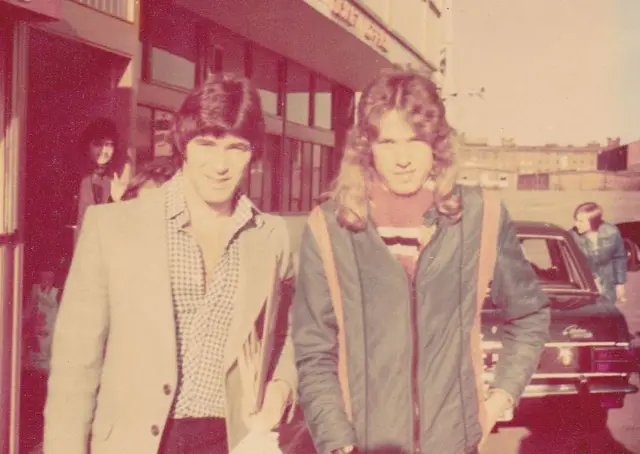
<point>35,9</point>
<point>299,31</point>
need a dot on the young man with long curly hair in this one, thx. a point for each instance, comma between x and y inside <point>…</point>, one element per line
<point>404,240</point>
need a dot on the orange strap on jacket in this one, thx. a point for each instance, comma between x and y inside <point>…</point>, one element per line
<point>318,225</point>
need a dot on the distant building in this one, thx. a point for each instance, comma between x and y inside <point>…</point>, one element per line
<point>633,156</point>
<point>613,156</point>
<point>509,165</point>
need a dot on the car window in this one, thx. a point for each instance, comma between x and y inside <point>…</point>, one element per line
<point>535,250</point>
<point>547,260</point>
<point>552,262</point>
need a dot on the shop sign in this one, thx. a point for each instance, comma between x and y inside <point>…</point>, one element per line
<point>362,25</point>
<point>50,9</point>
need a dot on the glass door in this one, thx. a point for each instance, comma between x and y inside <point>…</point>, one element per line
<point>12,72</point>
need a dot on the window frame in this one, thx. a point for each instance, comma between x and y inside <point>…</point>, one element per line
<point>146,30</point>
<point>152,131</point>
<point>562,251</point>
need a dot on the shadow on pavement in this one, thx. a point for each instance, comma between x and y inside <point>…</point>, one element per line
<point>581,431</point>
<point>594,443</point>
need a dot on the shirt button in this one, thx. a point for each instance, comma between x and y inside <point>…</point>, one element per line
<point>166,389</point>
<point>155,430</point>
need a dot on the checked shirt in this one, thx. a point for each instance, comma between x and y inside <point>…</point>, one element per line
<point>203,310</point>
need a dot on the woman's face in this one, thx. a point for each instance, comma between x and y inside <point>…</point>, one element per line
<point>583,224</point>
<point>101,151</point>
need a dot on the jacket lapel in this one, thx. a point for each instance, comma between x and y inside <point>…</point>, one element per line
<point>157,280</point>
<point>257,268</point>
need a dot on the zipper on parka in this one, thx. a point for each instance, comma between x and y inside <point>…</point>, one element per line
<point>415,353</point>
<point>415,394</point>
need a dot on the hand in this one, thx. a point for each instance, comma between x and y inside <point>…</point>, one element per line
<point>276,399</point>
<point>259,443</point>
<point>119,184</point>
<point>621,296</point>
<point>495,405</point>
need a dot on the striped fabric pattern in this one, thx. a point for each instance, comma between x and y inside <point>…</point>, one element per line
<point>400,222</point>
<point>401,241</point>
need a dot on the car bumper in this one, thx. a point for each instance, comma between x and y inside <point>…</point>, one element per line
<point>575,384</point>
<point>576,389</point>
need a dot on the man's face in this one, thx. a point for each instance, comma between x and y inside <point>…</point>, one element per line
<point>583,224</point>
<point>101,151</point>
<point>215,166</point>
<point>401,159</point>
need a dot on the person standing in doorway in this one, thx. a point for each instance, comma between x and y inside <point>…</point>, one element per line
<point>107,171</point>
<point>603,246</point>
<point>405,243</point>
<point>172,334</point>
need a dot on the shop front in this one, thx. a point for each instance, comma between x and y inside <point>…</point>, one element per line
<point>15,14</point>
<point>52,84</point>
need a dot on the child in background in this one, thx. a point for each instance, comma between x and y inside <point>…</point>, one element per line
<point>41,314</point>
<point>39,321</point>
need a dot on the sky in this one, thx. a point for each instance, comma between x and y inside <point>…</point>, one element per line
<point>554,71</point>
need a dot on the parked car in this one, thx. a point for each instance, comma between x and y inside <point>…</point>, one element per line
<point>589,359</point>
<point>630,232</point>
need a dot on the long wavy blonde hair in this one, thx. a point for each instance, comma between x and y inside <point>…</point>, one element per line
<point>415,95</point>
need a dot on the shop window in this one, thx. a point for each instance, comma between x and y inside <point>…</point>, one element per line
<point>153,129</point>
<point>305,177</point>
<point>322,103</point>
<point>272,149</point>
<point>265,76</point>
<point>170,35</point>
<point>144,134</point>
<point>258,182</point>
<point>162,122</point>
<point>321,171</point>
<point>290,184</point>
<point>298,96</point>
<point>255,182</point>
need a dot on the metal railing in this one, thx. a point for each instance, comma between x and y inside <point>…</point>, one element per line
<point>122,9</point>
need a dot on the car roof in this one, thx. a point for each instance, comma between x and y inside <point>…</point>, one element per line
<point>539,228</point>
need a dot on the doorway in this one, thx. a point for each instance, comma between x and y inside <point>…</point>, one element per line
<point>70,84</point>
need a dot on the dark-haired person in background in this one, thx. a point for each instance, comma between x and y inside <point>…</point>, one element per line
<point>107,169</point>
<point>603,246</point>
<point>157,346</point>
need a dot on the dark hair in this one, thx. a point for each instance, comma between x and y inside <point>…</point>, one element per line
<point>226,103</point>
<point>593,212</point>
<point>100,129</point>
<point>159,171</point>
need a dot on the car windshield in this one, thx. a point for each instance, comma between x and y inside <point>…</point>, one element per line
<point>552,261</point>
